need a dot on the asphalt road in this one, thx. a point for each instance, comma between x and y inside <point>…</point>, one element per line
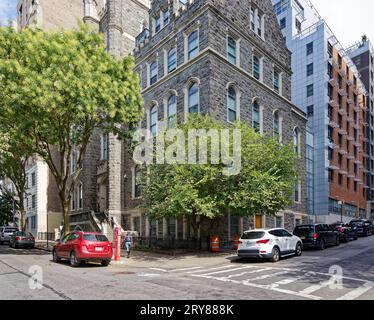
<point>344,272</point>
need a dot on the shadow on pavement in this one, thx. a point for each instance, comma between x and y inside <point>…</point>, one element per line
<point>5,249</point>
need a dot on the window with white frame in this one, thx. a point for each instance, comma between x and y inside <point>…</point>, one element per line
<point>277,81</point>
<point>193,44</point>
<point>193,98</point>
<point>137,182</point>
<point>105,146</point>
<point>279,221</point>
<point>157,22</point>
<point>74,161</point>
<point>297,141</point>
<point>232,104</point>
<point>256,67</point>
<point>153,120</point>
<point>256,122</point>
<point>277,126</point>
<point>231,50</point>
<point>153,72</point>
<point>172,59</point>
<point>257,21</point>
<point>166,17</point>
<point>172,111</point>
<point>80,196</point>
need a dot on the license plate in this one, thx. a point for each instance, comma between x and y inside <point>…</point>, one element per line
<point>99,249</point>
<point>249,244</point>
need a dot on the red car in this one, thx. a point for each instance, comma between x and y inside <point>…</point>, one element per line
<point>79,247</point>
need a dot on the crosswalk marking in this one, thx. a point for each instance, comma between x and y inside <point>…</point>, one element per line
<point>354,294</point>
<point>247,272</point>
<point>286,281</point>
<point>228,270</point>
<point>266,276</point>
<point>185,269</point>
<point>210,269</point>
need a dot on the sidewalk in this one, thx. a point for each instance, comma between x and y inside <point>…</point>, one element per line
<point>42,245</point>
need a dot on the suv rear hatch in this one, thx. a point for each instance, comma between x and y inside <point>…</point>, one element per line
<point>96,243</point>
<point>305,233</point>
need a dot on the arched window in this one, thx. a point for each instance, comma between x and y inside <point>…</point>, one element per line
<point>153,120</point>
<point>296,141</point>
<point>193,98</point>
<point>172,111</point>
<point>193,45</point>
<point>172,60</point>
<point>276,126</point>
<point>256,117</point>
<point>231,104</point>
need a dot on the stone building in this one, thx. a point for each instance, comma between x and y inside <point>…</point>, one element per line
<point>222,58</point>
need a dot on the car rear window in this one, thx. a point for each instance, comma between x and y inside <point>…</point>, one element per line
<point>253,235</point>
<point>7,230</point>
<point>356,223</point>
<point>303,230</point>
<point>22,234</point>
<point>95,237</point>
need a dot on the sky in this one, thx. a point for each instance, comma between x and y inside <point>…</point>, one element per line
<point>7,10</point>
<point>348,19</point>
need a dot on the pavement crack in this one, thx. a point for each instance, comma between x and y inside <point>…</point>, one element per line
<point>60,294</point>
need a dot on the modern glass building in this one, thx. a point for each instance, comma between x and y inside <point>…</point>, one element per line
<point>326,85</point>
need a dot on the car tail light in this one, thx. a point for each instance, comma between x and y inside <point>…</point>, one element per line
<point>341,229</point>
<point>263,241</point>
<point>18,238</point>
<point>315,236</point>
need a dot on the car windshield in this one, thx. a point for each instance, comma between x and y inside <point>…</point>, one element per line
<point>95,237</point>
<point>253,235</point>
<point>303,230</point>
<point>356,223</point>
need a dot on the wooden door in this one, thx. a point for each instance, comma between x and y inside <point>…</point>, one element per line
<point>258,223</point>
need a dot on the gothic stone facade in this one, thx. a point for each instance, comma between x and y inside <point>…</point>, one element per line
<point>199,31</point>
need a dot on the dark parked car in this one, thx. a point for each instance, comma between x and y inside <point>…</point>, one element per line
<point>346,232</point>
<point>22,239</point>
<point>6,233</point>
<point>317,235</point>
<point>364,227</point>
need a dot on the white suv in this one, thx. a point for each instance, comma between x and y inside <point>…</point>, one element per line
<point>269,244</point>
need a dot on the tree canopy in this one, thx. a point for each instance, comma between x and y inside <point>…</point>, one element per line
<point>264,185</point>
<point>57,89</point>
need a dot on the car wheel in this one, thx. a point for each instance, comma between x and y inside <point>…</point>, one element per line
<point>299,250</point>
<point>73,260</point>
<point>56,258</point>
<point>275,255</point>
<point>105,263</point>
<point>322,245</point>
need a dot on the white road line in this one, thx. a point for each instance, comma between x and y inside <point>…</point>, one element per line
<point>158,269</point>
<point>267,287</point>
<point>211,269</point>
<point>186,269</point>
<point>317,287</point>
<point>247,272</point>
<point>267,276</point>
<point>286,281</point>
<point>228,270</point>
<point>354,294</point>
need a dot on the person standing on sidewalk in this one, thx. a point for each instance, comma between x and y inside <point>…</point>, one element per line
<point>128,243</point>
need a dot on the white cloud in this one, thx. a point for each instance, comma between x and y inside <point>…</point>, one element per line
<point>8,10</point>
<point>348,19</point>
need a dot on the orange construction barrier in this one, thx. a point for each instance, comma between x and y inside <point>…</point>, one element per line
<point>235,241</point>
<point>214,244</point>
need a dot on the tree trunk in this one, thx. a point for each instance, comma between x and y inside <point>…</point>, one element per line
<point>65,213</point>
<point>23,212</point>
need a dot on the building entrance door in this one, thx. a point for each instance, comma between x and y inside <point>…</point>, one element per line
<point>258,222</point>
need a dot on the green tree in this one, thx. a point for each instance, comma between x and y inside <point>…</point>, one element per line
<point>264,185</point>
<point>57,89</point>
<point>7,207</point>
<point>13,159</point>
